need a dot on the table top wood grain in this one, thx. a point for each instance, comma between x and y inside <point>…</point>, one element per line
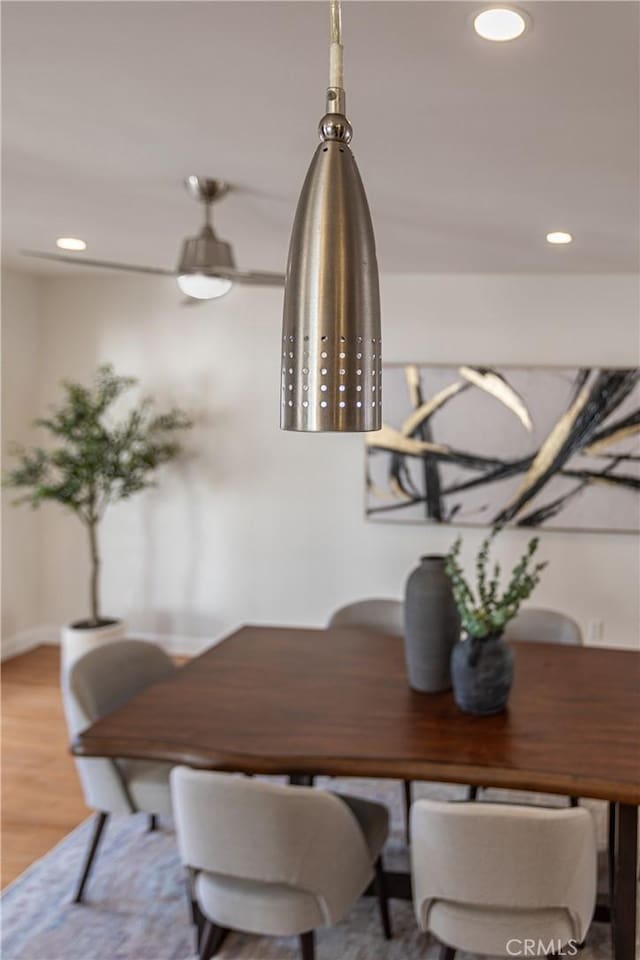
<point>337,702</point>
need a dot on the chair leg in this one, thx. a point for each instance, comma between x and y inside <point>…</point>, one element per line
<point>197,917</point>
<point>219,938</point>
<point>212,939</point>
<point>472,794</point>
<point>446,953</point>
<point>407,810</point>
<point>383,902</point>
<point>153,823</point>
<point>100,823</point>
<point>308,945</point>
<point>204,947</point>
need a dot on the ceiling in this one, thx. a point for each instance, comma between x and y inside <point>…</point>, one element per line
<point>470,151</point>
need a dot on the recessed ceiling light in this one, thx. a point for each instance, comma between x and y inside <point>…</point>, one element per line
<point>559,236</point>
<point>500,24</point>
<point>70,243</point>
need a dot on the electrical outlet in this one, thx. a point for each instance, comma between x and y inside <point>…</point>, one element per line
<point>595,634</point>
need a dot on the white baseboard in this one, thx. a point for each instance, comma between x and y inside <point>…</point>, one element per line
<point>26,640</point>
<point>175,644</point>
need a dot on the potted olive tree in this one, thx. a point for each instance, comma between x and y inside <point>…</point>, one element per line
<point>95,460</point>
<point>481,662</point>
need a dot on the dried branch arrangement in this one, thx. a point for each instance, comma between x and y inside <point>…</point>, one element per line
<point>486,610</point>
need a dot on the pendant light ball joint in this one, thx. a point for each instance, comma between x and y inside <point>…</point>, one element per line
<point>335,126</point>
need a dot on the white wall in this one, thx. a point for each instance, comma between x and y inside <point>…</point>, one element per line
<point>21,528</point>
<point>261,525</point>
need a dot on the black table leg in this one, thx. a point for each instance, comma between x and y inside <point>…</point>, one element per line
<point>301,779</point>
<point>397,885</point>
<point>611,860</point>
<point>624,882</point>
<point>406,784</point>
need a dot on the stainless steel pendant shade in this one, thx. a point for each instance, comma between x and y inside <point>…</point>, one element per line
<point>331,344</point>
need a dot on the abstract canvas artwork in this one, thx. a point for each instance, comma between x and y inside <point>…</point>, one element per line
<point>557,448</point>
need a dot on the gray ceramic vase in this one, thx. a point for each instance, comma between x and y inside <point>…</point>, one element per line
<point>482,673</point>
<point>432,626</point>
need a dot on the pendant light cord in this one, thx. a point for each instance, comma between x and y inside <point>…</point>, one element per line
<point>336,50</point>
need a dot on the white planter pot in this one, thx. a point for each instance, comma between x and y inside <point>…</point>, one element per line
<point>76,641</point>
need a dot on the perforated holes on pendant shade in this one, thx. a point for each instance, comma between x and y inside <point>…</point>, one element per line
<point>323,376</point>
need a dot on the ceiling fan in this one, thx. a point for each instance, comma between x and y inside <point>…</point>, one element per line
<point>206,269</point>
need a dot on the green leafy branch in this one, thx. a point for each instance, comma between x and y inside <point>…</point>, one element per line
<point>486,611</point>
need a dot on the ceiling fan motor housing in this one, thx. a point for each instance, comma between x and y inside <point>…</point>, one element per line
<point>204,253</point>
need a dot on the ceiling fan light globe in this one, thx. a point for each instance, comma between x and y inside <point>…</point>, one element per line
<point>200,286</point>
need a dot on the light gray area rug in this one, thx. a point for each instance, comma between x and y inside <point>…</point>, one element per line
<point>136,906</point>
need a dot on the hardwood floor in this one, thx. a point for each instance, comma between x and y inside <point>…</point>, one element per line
<point>41,796</point>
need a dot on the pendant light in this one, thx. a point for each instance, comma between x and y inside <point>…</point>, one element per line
<point>331,363</point>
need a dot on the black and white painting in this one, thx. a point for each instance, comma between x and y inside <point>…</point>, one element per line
<point>557,448</point>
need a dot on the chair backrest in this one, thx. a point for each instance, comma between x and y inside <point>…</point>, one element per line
<point>247,829</point>
<point>534,624</point>
<point>491,855</point>
<point>105,678</point>
<point>379,614</point>
<point>97,683</point>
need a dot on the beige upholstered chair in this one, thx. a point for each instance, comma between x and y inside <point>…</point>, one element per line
<point>382,616</point>
<point>488,876</point>
<point>97,683</point>
<point>534,624</point>
<point>274,860</point>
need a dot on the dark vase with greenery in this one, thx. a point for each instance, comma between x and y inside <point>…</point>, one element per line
<point>94,461</point>
<point>481,662</point>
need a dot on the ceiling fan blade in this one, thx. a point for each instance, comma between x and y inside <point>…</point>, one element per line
<point>260,278</point>
<point>102,264</point>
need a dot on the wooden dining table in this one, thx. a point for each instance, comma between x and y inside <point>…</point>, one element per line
<point>305,702</point>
